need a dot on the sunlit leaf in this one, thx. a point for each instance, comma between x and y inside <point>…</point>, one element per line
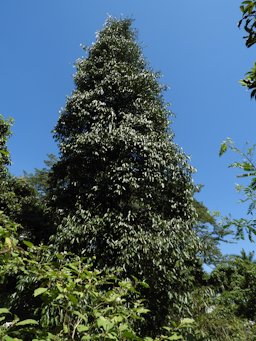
<point>223,148</point>
<point>26,322</point>
<point>40,291</point>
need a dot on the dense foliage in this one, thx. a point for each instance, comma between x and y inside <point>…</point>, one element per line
<point>248,9</point>
<point>71,300</point>
<point>67,298</point>
<point>108,242</point>
<point>121,188</point>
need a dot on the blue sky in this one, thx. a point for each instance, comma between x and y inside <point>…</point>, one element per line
<point>195,44</point>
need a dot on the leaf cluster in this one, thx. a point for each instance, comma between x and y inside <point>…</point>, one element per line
<point>71,299</point>
<point>247,165</point>
<point>248,9</point>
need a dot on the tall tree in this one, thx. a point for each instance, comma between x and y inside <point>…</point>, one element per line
<point>122,184</point>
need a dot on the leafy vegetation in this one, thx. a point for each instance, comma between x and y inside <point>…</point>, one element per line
<point>248,9</point>
<point>121,188</point>
<point>108,242</point>
<point>70,300</point>
<point>248,168</point>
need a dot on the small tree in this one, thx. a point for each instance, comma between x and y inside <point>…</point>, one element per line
<point>18,199</point>
<point>122,185</point>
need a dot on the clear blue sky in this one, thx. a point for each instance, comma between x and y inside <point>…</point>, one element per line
<point>195,44</point>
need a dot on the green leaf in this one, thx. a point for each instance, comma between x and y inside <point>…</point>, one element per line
<point>86,338</point>
<point>223,148</point>
<point>187,321</point>
<point>175,337</point>
<point>4,152</point>
<point>60,256</point>
<point>118,319</point>
<point>8,338</point>
<point>4,311</point>
<point>50,336</point>
<point>122,327</point>
<point>129,335</point>
<point>144,285</point>
<point>39,291</point>
<point>104,323</point>
<point>248,166</point>
<point>73,267</point>
<point>142,310</point>
<point>65,329</point>
<point>82,328</point>
<point>25,322</point>
<point>8,242</point>
<point>27,243</point>
<point>72,298</point>
<point>243,82</point>
<point>83,317</point>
